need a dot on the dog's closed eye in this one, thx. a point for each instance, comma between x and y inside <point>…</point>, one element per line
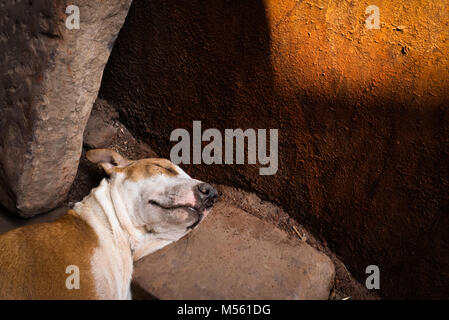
<point>166,168</point>
<point>171,170</point>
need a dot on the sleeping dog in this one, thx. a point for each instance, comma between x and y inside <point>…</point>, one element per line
<point>141,207</point>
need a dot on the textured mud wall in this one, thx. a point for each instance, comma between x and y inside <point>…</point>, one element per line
<point>363,115</point>
<point>49,79</point>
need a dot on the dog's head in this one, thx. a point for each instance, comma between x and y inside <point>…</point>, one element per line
<point>158,195</point>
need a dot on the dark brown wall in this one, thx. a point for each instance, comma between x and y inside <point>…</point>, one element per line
<point>362,115</point>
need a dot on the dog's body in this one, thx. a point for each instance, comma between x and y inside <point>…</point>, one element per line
<point>143,206</point>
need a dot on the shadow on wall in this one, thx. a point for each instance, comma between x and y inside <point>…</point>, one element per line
<point>362,154</point>
<point>179,62</point>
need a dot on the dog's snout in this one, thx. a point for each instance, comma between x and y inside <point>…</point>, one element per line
<point>207,194</point>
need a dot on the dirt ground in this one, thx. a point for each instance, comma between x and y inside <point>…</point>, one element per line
<point>89,176</point>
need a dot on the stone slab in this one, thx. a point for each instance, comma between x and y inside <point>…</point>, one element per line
<point>234,255</point>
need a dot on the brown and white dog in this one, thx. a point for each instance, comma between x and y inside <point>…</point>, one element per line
<point>143,206</point>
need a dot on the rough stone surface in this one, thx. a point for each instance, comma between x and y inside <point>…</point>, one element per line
<point>49,79</point>
<point>234,255</point>
<point>362,114</point>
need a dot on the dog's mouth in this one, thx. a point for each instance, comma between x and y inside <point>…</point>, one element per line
<point>190,209</point>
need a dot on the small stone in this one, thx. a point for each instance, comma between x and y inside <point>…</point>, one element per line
<point>99,134</point>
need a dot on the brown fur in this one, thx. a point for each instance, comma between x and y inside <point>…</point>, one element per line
<point>33,260</point>
<point>136,170</point>
<point>145,168</point>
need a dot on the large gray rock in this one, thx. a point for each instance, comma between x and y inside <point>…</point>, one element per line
<point>234,255</point>
<point>49,79</point>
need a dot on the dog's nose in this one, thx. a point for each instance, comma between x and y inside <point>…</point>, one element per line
<point>207,194</point>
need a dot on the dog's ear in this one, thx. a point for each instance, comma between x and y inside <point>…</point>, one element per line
<point>108,159</point>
